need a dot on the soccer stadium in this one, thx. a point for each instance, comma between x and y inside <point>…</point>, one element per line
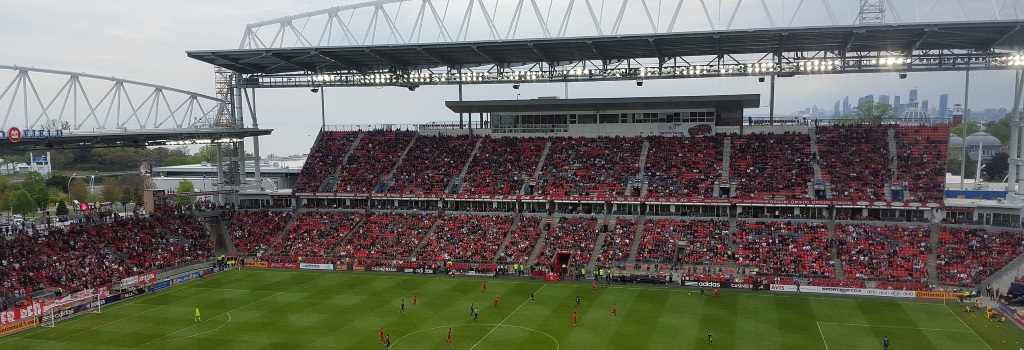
<point>650,222</point>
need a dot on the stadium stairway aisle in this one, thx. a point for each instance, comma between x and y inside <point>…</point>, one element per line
<point>635,248</point>
<point>330,183</point>
<point>892,163</point>
<point>355,228</point>
<point>426,237</point>
<point>508,237</point>
<point>814,150</point>
<point>726,153</point>
<point>391,173</point>
<point>456,184</point>
<point>599,242</point>
<point>277,240</point>
<point>543,232</point>
<point>933,244</point>
<point>536,172</point>
<point>639,178</point>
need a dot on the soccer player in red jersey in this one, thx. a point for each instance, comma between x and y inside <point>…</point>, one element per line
<point>414,295</point>
<point>382,335</point>
<point>615,310</point>
<point>593,286</point>
<point>574,319</point>
<point>449,341</point>
<point>485,288</point>
<point>717,294</point>
<point>495,301</point>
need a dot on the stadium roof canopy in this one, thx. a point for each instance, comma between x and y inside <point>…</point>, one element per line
<point>788,44</point>
<point>607,104</point>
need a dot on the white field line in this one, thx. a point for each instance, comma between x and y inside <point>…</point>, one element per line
<point>969,327</point>
<point>197,323</point>
<point>506,319</point>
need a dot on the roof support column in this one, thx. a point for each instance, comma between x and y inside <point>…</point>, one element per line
<point>1015,129</point>
<point>460,100</point>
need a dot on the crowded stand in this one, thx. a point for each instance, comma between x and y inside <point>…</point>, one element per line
<point>389,236</point>
<point>502,164</point>
<point>708,241</point>
<point>79,256</point>
<point>921,149</point>
<point>617,242</point>
<point>784,248</point>
<point>967,256</point>
<point>316,233</point>
<point>601,166</point>
<point>855,159</point>
<point>431,163</point>
<point>324,158</point>
<point>684,167</point>
<point>574,234</point>
<point>253,232</point>
<point>524,239</point>
<point>466,238</point>
<point>372,159</point>
<point>771,165</point>
<point>887,253</point>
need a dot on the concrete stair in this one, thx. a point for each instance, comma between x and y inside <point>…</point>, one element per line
<point>508,237</point>
<point>540,167</point>
<point>423,242</point>
<point>331,182</point>
<point>933,264</point>
<point>814,150</point>
<point>344,241</point>
<point>277,240</point>
<point>640,179</point>
<point>635,248</point>
<point>455,186</point>
<point>391,174</point>
<point>726,153</point>
<point>540,240</point>
<point>599,242</point>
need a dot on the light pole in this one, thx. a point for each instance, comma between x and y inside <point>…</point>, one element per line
<point>69,183</point>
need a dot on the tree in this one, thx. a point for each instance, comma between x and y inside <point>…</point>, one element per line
<point>79,191</point>
<point>997,167</point>
<point>185,186</point>
<point>23,203</point>
<point>870,112</point>
<point>972,127</point>
<point>1001,129</point>
<point>174,161</point>
<point>207,153</point>
<point>58,181</point>
<point>111,190</point>
<point>953,160</point>
<point>7,190</point>
<point>127,194</point>
<point>62,209</point>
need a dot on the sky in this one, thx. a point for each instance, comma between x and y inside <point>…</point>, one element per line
<point>146,41</point>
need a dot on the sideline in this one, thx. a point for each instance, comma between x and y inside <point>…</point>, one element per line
<point>969,327</point>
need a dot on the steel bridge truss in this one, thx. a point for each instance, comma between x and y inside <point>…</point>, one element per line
<point>92,102</point>
<point>383,22</point>
<point>782,65</point>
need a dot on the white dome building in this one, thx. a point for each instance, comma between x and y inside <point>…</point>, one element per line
<point>989,145</point>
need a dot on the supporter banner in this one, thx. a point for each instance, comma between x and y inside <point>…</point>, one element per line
<point>18,326</point>
<point>255,264</point>
<point>306,266</point>
<point>939,295</point>
<point>845,291</point>
<point>277,265</point>
<point>725,285</point>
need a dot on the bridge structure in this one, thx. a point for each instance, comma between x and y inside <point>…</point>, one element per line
<point>44,109</point>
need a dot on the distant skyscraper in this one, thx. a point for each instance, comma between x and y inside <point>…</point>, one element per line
<point>913,96</point>
<point>924,106</point>
<point>883,99</point>
<point>846,105</point>
<point>835,110</point>
<point>944,105</point>
<point>869,98</point>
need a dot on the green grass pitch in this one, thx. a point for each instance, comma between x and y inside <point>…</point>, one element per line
<point>262,309</point>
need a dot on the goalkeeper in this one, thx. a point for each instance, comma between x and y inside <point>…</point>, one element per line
<point>198,318</point>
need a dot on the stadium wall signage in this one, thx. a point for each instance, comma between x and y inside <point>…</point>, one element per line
<point>255,264</point>
<point>725,285</point>
<point>384,269</point>
<point>278,265</point>
<point>1013,313</point>
<point>845,291</point>
<point>306,266</point>
<point>685,129</point>
<point>18,326</point>
<point>938,295</point>
<point>15,134</point>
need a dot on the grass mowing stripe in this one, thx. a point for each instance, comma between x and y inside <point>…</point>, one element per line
<point>968,327</point>
<point>119,305</point>
<point>104,324</point>
<point>197,323</point>
<point>895,327</point>
<point>506,319</point>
